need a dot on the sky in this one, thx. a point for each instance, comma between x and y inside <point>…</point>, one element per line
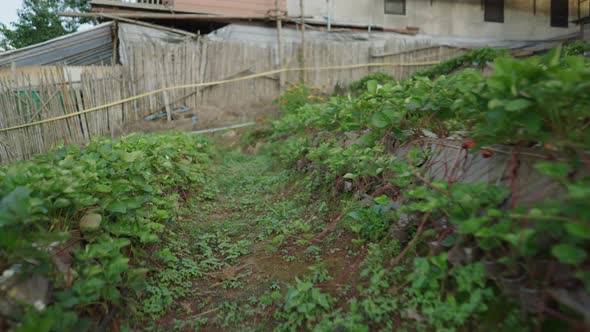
<point>8,10</point>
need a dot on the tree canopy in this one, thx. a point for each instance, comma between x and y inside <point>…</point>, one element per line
<point>38,21</point>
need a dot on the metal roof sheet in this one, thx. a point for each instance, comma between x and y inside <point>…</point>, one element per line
<point>91,47</point>
<point>88,47</point>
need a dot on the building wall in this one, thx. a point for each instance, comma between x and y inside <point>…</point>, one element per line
<point>250,8</point>
<point>461,18</point>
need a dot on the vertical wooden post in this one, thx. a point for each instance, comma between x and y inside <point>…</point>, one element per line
<point>168,108</point>
<point>165,78</point>
<point>302,48</point>
<point>115,42</point>
<point>279,43</point>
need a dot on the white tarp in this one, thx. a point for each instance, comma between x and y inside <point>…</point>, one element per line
<point>131,34</point>
<point>378,39</point>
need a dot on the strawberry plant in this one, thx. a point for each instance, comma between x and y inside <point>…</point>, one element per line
<point>298,95</point>
<point>360,86</point>
<point>537,101</point>
<point>354,146</point>
<point>478,58</point>
<point>304,305</point>
<point>84,217</point>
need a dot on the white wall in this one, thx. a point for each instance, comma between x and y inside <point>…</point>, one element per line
<point>461,18</point>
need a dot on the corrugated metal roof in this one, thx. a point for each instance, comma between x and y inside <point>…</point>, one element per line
<point>89,47</point>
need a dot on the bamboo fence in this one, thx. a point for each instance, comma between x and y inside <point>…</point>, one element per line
<point>32,94</point>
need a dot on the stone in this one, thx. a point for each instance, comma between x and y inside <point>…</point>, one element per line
<point>90,222</point>
<point>33,291</point>
<point>8,308</point>
<point>8,277</point>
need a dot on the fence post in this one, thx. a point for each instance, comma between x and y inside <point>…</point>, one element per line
<point>302,48</point>
<point>279,44</point>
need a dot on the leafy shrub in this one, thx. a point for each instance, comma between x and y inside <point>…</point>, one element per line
<point>298,95</point>
<point>536,102</point>
<point>579,47</point>
<point>115,195</point>
<point>478,58</point>
<point>360,86</point>
<point>304,305</point>
<point>450,306</point>
<point>539,100</point>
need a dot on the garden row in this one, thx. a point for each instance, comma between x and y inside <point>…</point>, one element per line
<point>441,252</point>
<point>78,226</point>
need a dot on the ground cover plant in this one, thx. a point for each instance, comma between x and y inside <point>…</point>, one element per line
<point>87,219</point>
<point>454,236</point>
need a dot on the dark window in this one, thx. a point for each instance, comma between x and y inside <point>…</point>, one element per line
<point>494,11</point>
<point>395,7</point>
<point>559,13</point>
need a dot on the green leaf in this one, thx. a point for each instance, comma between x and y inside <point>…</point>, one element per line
<point>101,188</point>
<point>556,170</point>
<point>276,295</point>
<point>518,104</point>
<point>579,230</point>
<point>131,157</point>
<point>117,266</point>
<point>472,225</point>
<point>553,56</point>
<point>578,191</point>
<point>379,120</point>
<point>569,254</point>
<point>382,200</point>
<point>372,86</point>
<point>350,176</point>
<point>119,207</point>
<point>61,203</point>
<point>392,114</point>
<point>495,103</point>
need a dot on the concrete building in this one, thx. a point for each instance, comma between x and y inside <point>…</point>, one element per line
<point>491,19</point>
<point>498,19</point>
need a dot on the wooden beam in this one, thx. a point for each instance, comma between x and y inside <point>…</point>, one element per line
<point>117,3</point>
<point>148,25</point>
<point>171,16</point>
<point>162,16</point>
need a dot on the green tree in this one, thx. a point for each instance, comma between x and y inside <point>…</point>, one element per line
<point>38,21</point>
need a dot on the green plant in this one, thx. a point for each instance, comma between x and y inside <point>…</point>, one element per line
<point>116,194</point>
<point>536,101</point>
<point>579,47</point>
<point>447,299</point>
<point>478,58</point>
<point>346,145</point>
<point>298,95</point>
<point>360,86</point>
<point>304,305</point>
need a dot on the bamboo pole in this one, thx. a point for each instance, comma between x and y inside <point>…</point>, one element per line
<point>302,47</point>
<point>115,42</point>
<point>279,44</point>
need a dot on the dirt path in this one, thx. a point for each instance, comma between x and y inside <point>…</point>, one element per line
<point>232,255</point>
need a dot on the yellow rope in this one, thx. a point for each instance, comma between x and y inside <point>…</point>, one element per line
<point>200,85</point>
